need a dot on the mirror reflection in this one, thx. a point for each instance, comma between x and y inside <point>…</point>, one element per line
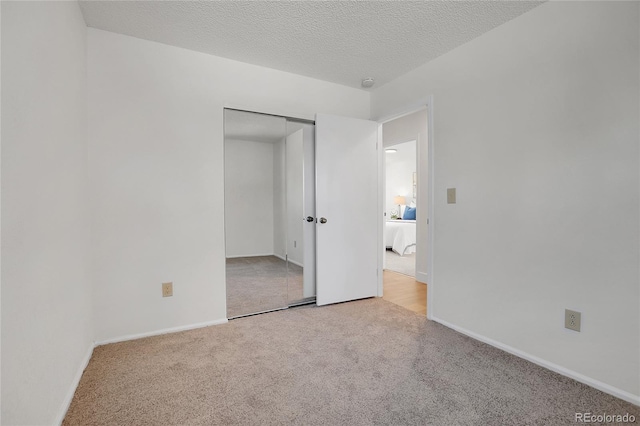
<point>270,260</point>
<point>300,206</point>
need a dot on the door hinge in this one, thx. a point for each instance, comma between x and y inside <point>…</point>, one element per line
<point>427,221</point>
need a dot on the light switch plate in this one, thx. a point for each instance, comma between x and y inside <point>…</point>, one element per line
<point>451,195</point>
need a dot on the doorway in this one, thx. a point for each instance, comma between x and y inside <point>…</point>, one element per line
<point>406,225</point>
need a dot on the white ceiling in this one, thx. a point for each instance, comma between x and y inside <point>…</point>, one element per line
<point>338,41</point>
<point>256,127</point>
<point>405,153</point>
<point>249,126</point>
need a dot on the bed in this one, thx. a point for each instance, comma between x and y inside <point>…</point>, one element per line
<point>400,236</point>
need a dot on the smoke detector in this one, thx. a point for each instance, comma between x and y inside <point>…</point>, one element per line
<point>367,82</point>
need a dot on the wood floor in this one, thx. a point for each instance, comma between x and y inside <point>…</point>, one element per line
<point>405,291</point>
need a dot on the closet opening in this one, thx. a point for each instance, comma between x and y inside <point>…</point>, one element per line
<point>269,199</point>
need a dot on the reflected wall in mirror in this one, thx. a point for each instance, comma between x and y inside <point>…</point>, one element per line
<point>254,202</point>
<point>300,167</point>
<point>270,248</point>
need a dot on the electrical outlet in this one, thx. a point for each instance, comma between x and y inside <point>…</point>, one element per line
<point>572,319</point>
<point>167,289</point>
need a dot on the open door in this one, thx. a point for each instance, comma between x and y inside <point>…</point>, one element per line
<point>347,208</point>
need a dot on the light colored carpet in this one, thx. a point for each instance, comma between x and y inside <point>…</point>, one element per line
<point>368,362</point>
<point>261,283</point>
<point>403,264</point>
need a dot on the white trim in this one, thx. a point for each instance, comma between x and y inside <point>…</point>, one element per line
<point>66,403</point>
<point>406,110</point>
<point>381,210</point>
<point>431,173</point>
<point>162,331</point>
<point>421,277</point>
<point>611,390</point>
<point>295,263</point>
<point>224,206</point>
<point>272,111</point>
<point>235,256</point>
<point>288,260</point>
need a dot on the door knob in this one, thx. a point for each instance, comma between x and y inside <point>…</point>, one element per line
<point>309,219</point>
<point>323,220</point>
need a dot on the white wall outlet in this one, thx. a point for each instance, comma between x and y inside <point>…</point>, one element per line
<point>572,319</point>
<point>167,289</point>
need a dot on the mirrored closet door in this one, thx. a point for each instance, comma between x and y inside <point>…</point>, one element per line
<point>269,212</point>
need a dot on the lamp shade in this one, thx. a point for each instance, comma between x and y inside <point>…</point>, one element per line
<point>399,199</point>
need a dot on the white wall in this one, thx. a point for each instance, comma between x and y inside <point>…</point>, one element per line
<point>295,183</point>
<point>403,129</point>
<point>156,161</point>
<point>538,131</point>
<point>279,199</point>
<point>46,294</point>
<point>400,167</point>
<point>249,198</point>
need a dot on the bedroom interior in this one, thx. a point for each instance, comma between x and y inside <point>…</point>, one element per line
<point>113,182</point>
<point>400,212</point>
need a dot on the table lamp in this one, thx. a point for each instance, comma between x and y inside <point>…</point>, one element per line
<point>399,200</point>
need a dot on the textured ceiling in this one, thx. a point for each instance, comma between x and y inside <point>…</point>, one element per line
<point>338,41</point>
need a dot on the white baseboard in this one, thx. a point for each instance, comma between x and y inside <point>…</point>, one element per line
<point>611,390</point>
<point>74,385</point>
<point>162,331</point>
<point>249,255</point>
<point>296,263</point>
<point>421,277</point>
<point>288,260</point>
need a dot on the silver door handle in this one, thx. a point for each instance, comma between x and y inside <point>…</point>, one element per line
<point>323,220</point>
<point>309,219</point>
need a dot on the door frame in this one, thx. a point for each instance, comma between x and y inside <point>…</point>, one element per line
<point>425,103</point>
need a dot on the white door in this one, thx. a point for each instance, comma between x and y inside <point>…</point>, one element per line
<point>347,208</point>
<point>309,213</point>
